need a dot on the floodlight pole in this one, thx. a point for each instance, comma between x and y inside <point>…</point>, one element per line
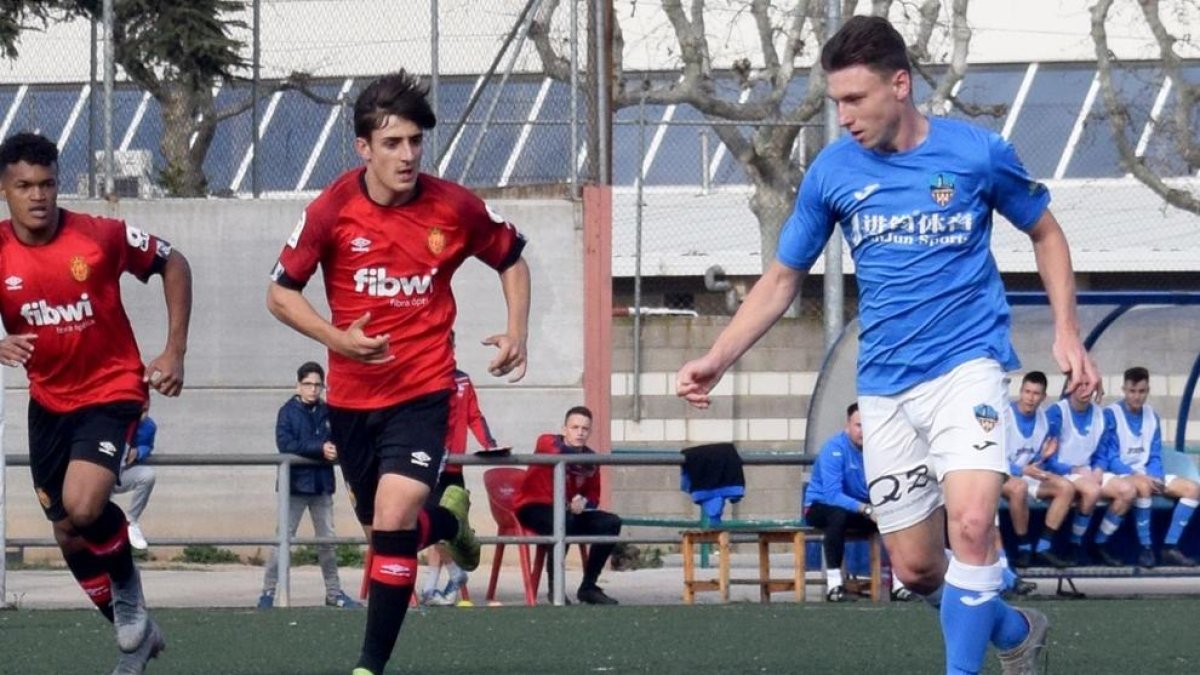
<point>109,75</point>
<point>834,291</point>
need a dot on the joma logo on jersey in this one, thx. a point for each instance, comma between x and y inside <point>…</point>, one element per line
<point>374,281</point>
<point>42,313</point>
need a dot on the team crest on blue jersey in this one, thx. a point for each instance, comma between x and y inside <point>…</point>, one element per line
<point>987,416</point>
<point>941,188</point>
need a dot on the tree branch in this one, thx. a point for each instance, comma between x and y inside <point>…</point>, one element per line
<point>1119,119</point>
<point>1186,94</point>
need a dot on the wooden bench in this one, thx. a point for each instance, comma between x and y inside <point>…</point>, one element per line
<point>797,537</point>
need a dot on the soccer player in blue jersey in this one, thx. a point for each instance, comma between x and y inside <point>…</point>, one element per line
<point>1085,442</point>
<point>1137,455</point>
<point>1031,439</point>
<point>914,197</point>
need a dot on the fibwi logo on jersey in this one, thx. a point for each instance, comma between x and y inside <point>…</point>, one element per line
<point>987,416</point>
<point>941,188</point>
<point>42,313</point>
<point>376,282</point>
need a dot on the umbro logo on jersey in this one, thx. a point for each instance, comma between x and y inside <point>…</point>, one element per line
<point>421,459</point>
<point>14,283</point>
<point>108,448</point>
<point>360,245</point>
<point>978,600</point>
<point>869,190</point>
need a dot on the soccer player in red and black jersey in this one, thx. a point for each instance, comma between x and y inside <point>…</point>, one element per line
<point>388,239</point>
<point>61,307</point>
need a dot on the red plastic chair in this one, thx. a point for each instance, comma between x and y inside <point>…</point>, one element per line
<point>502,485</point>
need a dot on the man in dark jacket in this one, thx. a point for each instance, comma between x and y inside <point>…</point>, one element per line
<point>302,428</point>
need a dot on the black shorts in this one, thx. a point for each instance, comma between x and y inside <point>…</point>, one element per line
<point>406,439</point>
<point>444,481</point>
<point>98,434</point>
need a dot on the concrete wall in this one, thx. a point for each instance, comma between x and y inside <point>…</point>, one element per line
<point>241,362</point>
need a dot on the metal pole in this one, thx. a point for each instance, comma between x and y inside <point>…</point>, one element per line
<point>491,111</point>
<point>557,584</point>
<point>487,77</point>
<point>637,263</point>
<point>109,75</point>
<point>283,592</point>
<point>705,186</point>
<point>256,59</point>
<point>834,292</point>
<point>91,104</point>
<point>435,75</point>
<point>572,156</point>
<point>603,83</point>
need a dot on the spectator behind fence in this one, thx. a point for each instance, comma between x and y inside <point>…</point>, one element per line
<point>137,476</point>
<point>837,501</point>
<point>535,501</point>
<point>302,428</point>
<point>1137,455</point>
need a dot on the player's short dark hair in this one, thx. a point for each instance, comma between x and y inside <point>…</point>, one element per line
<point>866,41</point>
<point>577,410</point>
<point>401,94</point>
<point>851,409</point>
<point>28,147</point>
<point>1137,374</point>
<point>1036,377</point>
<point>308,368</point>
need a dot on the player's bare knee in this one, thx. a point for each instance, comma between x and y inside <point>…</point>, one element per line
<point>1191,490</point>
<point>82,515</point>
<point>973,529</point>
<point>923,576</point>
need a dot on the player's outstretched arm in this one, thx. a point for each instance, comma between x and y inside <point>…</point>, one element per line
<point>165,371</point>
<point>512,356</point>
<point>1053,256</point>
<point>763,306</point>
<point>293,309</point>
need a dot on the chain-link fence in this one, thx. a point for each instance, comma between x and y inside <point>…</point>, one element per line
<point>280,122</point>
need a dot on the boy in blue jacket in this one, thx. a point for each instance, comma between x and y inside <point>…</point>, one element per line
<point>302,428</point>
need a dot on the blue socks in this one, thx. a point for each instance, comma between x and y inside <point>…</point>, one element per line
<point>1179,520</point>
<point>972,615</point>
<point>1079,526</point>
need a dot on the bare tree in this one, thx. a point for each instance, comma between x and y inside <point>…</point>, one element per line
<point>788,32</point>
<point>1178,124</point>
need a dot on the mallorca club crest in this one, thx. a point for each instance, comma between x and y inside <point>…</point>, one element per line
<point>941,188</point>
<point>987,416</point>
<point>436,241</point>
<point>43,498</point>
<point>79,268</point>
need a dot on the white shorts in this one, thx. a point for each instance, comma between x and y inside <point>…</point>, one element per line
<point>913,439</point>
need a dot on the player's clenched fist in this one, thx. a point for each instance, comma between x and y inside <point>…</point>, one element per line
<point>15,350</point>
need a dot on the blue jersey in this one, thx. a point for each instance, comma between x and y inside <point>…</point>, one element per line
<point>838,477</point>
<point>919,225</point>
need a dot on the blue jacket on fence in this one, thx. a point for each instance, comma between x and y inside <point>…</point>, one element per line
<point>838,477</point>
<point>302,430</point>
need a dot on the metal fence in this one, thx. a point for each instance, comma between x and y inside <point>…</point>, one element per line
<point>284,540</point>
